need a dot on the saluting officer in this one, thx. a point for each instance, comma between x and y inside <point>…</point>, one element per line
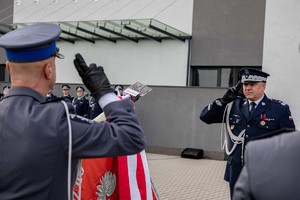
<point>39,154</point>
<point>246,117</point>
<point>80,103</point>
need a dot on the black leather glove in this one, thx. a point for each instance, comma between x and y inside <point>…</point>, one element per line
<point>231,93</point>
<point>93,77</point>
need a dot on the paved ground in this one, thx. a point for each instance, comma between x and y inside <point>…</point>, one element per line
<point>177,178</point>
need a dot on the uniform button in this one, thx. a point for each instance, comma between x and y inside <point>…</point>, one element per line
<point>248,125</point>
<point>247,136</point>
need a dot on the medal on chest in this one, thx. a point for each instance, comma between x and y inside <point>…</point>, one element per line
<point>263,119</point>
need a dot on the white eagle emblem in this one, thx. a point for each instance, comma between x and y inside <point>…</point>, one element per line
<point>107,185</point>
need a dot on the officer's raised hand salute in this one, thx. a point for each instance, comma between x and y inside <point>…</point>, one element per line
<point>39,155</point>
<point>93,77</point>
<point>231,94</point>
<point>247,116</point>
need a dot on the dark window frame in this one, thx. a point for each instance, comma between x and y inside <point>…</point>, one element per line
<point>4,76</point>
<point>233,79</point>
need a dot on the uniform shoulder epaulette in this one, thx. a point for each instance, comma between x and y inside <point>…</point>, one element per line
<point>278,101</point>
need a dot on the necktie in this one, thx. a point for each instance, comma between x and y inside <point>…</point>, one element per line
<point>251,108</point>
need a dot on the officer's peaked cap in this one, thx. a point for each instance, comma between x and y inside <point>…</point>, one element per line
<point>31,43</point>
<point>79,88</point>
<point>119,87</point>
<point>253,75</point>
<point>65,87</point>
<point>7,86</point>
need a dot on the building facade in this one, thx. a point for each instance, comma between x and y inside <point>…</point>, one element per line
<point>189,51</point>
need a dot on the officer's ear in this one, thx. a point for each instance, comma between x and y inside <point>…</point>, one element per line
<point>48,70</point>
<point>8,66</point>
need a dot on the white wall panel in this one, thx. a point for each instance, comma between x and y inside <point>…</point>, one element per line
<point>126,62</point>
<point>281,52</point>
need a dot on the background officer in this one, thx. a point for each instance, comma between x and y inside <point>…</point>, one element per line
<point>246,117</point>
<point>80,103</point>
<point>5,92</point>
<point>66,93</point>
<point>50,96</point>
<point>94,108</point>
<point>119,89</point>
<point>39,156</point>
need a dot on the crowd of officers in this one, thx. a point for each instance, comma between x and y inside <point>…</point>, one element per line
<point>84,105</point>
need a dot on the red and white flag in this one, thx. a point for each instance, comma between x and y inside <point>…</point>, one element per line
<point>134,178</point>
<point>118,178</point>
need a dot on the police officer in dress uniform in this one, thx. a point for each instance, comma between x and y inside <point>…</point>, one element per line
<point>80,103</point>
<point>94,108</point>
<point>66,93</point>
<point>5,92</point>
<point>246,118</point>
<point>119,89</point>
<point>35,154</point>
<point>50,96</point>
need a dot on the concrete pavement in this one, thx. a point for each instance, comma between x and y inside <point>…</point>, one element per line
<point>177,178</point>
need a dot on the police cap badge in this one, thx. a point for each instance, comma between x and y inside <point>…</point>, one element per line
<point>253,75</point>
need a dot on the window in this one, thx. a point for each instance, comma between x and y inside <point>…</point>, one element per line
<point>3,73</point>
<point>216,76</point>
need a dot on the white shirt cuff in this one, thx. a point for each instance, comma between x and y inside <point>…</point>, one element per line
<point>107,99</point>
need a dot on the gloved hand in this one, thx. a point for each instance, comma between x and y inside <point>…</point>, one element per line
<point>93,77</point>
<point>231,93</point>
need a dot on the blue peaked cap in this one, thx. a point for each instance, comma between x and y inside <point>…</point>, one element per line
<point>31,43</point>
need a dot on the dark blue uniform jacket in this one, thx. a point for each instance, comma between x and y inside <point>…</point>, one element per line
<point>81,105</point>
<point>94,108</point>
<point>268,116</point>
<point>34,142</point>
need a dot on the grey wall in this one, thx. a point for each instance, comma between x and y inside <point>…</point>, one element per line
<point>281,53</point>
<point>170,119</point>
<point>228,32</point>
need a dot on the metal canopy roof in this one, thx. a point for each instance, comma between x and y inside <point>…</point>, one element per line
<point>112,30</point>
